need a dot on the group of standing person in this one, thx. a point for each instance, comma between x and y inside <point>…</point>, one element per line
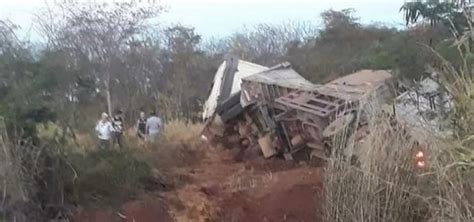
<point>110,130</point>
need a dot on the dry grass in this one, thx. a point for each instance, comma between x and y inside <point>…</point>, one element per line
<point>180,131</point>
<point>29,177</point>
<point>98,178</point>
<point>179,145</point>
<point>387,186</point>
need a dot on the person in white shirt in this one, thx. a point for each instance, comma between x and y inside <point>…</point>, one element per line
<point>153,127</point>
<point>104,131</point>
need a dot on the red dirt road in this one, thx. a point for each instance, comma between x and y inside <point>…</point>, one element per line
<point>216,188</point>
<point>254,190</point>
<point>135,211</point>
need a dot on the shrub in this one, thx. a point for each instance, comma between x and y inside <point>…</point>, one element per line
<point>107,177</point>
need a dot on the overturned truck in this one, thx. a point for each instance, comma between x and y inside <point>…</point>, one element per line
<point>314,118</point>
<point>280,112</point>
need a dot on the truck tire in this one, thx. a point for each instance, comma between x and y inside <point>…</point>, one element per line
<point>228,103</point>
<point>232,113</point>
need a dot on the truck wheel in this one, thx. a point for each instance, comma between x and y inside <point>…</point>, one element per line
<point>232,112</point>
<point>228,103</point>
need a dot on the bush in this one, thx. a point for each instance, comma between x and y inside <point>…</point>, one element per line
<point>110,177</point>
<point>32,178</point>
<point>107,177</point>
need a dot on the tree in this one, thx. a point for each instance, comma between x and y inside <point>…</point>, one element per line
<point>450,13</point>
<point>186,71</point>
<point>98,38</point>
<point>267,44</point>
<point>433,11</point>
<point>339,48</point>
<point>25,88</point>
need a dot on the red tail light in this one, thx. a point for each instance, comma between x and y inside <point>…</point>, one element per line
<point>419,155</point>
<point>420,159</point>
<point>421,163</point>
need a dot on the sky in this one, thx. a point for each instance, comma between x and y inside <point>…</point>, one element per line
<point>218,18</point>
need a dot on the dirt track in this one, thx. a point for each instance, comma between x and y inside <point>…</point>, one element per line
<point>218,189</point>
<point>254,190</point>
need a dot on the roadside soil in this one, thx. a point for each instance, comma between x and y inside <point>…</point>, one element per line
<point>216,188</point>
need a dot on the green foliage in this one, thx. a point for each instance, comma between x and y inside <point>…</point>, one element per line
<point>344,46</point>
<point>434,11</point>
<point>449,52</point>
<point>107,177</point>
<point>400,54</point>
<point>449,13</point>
<point>28,98</point>
<point>172,71</point>
<point>92,51</point>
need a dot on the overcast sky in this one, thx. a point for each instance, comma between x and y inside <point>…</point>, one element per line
<point>216,18</point>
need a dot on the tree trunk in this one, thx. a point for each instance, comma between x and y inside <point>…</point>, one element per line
<point>109,98</point>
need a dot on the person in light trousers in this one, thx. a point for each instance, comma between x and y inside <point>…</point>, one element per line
<point>154,125</point>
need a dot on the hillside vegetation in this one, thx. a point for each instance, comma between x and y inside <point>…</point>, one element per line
<point>95,58</point>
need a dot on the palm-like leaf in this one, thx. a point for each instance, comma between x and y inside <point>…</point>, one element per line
<point>433,11</point>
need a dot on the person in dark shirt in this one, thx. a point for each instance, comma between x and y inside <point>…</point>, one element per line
<point>141,126</point>
<point>117,123</point>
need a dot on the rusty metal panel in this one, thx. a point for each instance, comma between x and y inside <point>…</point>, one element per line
<point>304,107</point>
<point>307,102</point>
